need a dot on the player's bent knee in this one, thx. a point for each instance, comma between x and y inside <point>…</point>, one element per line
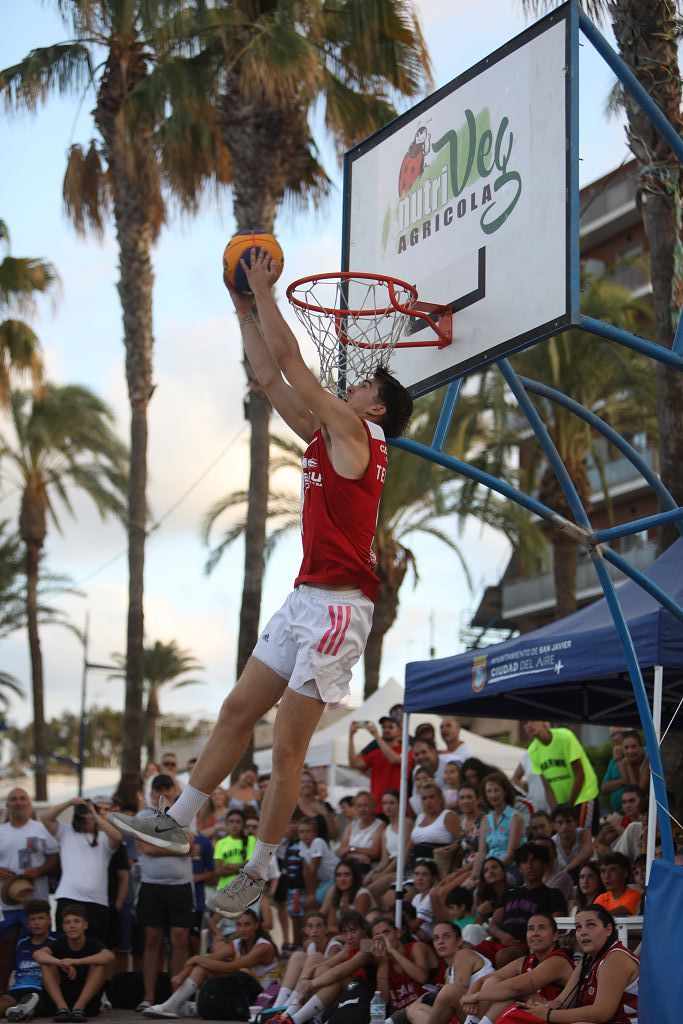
<point>288,751</point>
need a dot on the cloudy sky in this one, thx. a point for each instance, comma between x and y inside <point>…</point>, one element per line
<point>195,417</point>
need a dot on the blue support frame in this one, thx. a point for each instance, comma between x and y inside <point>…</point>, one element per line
<point>582,531</point>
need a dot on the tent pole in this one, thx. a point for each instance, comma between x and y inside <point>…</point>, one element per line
<point>652,806</point>
<point>403,803</point>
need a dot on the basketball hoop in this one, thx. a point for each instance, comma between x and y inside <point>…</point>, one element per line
<point>357,320</point>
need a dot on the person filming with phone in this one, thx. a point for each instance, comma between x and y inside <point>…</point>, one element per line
<point>380,759</point>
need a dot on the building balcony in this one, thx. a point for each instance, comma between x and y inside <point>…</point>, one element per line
<point>620,475</point>
<point>526,596</point>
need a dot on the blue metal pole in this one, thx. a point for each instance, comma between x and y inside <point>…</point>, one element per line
<point>678,337</point>
<point>447,412</point>
<point>608,432</point>
<point>574,211</point>
<point>631,83</point>
<point>640,694</point>
<point>622,337</point>
<point>673,515</point>
<point>643,581</point>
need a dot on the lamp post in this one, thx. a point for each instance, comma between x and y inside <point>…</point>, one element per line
<point>87,665</point>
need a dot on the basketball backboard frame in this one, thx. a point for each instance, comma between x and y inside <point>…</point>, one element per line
<point>425,370</point>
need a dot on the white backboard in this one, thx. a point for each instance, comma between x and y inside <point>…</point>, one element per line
<point>467,196</point>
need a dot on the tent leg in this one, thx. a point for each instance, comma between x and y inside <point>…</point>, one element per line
<point>403,803</point>
<point>652,806</point>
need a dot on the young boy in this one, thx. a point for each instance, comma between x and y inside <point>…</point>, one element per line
<point>25,998</point>
<point>73,968</point>
<point>317,861</point>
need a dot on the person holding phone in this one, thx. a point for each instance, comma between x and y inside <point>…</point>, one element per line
<point>380,759</point>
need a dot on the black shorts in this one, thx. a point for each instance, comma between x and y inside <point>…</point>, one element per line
<point>165,906</point>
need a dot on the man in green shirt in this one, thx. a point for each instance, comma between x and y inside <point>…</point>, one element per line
<point>568,776</point>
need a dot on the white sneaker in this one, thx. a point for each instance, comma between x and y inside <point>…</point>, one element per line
<point>25,1008</point>
<point>190,1009</point>
<point>144,1005</point>
<point>159,829</point>
<point>236,897</point>
<point>158,1012</point>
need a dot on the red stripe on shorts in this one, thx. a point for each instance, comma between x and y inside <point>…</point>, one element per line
<point>332,631</point>
<point>347,620</point>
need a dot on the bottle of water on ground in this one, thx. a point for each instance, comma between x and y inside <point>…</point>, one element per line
<point>377,1009</point>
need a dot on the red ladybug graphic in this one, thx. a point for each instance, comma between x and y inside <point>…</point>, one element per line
<point>414,161</point>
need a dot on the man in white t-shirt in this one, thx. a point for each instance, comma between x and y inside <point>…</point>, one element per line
<point>26,850</point>
<point>456,749</point>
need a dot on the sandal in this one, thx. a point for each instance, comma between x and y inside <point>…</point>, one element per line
<point>78,1015</point>
<point>62,1015</point>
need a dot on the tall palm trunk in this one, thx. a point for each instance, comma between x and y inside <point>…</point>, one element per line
<point>151,719</point>
<point>137,222</point>
<point>32,526</point>
<point>647,35</point>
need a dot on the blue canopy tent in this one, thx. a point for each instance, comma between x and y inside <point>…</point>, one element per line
<point>572,670</point>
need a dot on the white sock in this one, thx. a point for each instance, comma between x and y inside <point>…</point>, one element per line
<point>258,863</point>
<point>293,1002</point>
<point>187,805</point>
<point>185,991</point>
<point>308,1010</point>
<point>282,996</point>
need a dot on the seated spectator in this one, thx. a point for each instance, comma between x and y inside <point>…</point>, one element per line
<point>380,759</point>
<point>540,975</point>
<point>638,872</point>
<point>25,998</point>
<point>446,942</point>
<point>474,772</point>
<point>362,839</point>
<point>302,963</point>
<point>327,983</point>
<point>631,802</point>
<point>250,951</point>
<point>421,778</point>
<point>211,819</point>
<point>435,827</point>
<point>606,980</point>
<point>574,845</point>
<point>503,826</point>
<point>383,875</point>
<point>612,784</point>
<point>552,876</point>
<point>425,755</point>
<point>243,794</point>
<point>402,968</point>
<point>619,898</point>
<point>451,779</point>
<point>635,764</point>
<point>318,863</point>
<point>540,825</point>
<point>311,805</point>
<point>347,893</point>
<point>492,891</point>
<point>73,968</point>
<point>467,967</point>
<point>86,847</point>
<point>470,822</point>
<point>507,927</point>
<point>459,907</point>
<point>295,885</point>
<point>425,876</point>
<point>589,888</point>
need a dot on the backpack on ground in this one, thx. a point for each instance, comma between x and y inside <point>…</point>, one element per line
<point>227,998</point>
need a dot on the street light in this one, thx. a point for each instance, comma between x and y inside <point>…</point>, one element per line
<point>87,665</point>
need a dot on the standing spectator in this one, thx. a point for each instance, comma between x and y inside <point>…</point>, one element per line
<point>574,846</point>
<point>381,759</point>
<point>425,756</point>
<point>27,850</point>
<point>86,847</point>
<point>211,818</point>
<point>535,789</point>
<point>75,987</point>
<point>635,764</point>
<point>262,786</point>
<point>501,832</point>
<point>456,748</point>
<point>362,839</point>
<point>165,901</point>
<point>568,775</point>
<point>618,898</point>
<point>612,781</point>
<point>244,793</point>
<point>232,851</point>
<point>169,766</point>
<point>203,873</point>
<point>124,943</point>
<point>26,999</point>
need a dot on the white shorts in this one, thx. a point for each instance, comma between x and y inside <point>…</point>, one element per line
<point>315,639</point>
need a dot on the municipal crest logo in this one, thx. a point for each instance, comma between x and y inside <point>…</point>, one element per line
<point>479,673</point>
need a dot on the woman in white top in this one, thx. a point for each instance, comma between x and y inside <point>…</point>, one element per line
<point>362,838</point>
<point>347,893</point>
<point>383,875</point>
<point>465,967</point>
<point>436,827</point>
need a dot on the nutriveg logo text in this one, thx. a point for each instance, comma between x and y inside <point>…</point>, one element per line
<point>468,172</point>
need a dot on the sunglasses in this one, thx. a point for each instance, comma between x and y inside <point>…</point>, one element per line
<point>169,764</point>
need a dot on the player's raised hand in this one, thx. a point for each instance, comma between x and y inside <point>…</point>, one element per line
<point>262,271</point>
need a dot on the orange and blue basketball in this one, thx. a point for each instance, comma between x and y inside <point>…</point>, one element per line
<point>239,248</point>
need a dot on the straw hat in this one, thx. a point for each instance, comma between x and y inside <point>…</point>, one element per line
<point>16,890</point>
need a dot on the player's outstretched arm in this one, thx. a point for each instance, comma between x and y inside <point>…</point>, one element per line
<point>284,399</point>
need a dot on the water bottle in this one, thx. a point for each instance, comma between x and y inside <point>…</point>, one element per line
<point>377,1009</point>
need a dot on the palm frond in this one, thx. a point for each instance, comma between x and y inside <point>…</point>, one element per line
<point>86,190</point>
<point>64,67</point>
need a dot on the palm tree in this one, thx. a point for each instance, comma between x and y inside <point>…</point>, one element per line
<point>63,441</point>
<point>136,149</point>
<point>164,663</point>
<point>272,64</point>
<point>21,279</point>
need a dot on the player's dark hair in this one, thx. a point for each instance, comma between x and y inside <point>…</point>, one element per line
<point>564,811</point>
<point>397,401</point>
<point>617,859</point>
<point>36,907</point>
<point>75,910</point>
<point>353,919</point>
<point>528,850</point>
<point>460,896</point>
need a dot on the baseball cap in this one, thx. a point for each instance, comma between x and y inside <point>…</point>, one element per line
<point>388,718</point>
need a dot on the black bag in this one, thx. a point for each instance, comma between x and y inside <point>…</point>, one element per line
<point>227,998</point>
<point>353,1006</point>
<point>127,989</point>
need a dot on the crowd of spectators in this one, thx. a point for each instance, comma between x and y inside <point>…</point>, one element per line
<point>490,864</point>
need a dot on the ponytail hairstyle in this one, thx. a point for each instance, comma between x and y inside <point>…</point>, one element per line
<point>588,961</point>
<point>260,933</point>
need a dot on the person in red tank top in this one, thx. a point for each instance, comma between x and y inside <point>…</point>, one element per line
<point>305,654</point>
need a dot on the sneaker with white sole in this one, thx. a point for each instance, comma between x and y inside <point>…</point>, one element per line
<point>236,897</point>
<point>157,1011</point>
<point>190,1009</point>
<point>25,1008</point>
<point>158,829</point>
<point>144,1005</point>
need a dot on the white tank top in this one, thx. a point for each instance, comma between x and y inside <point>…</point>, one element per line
<point>436,833</point>
<point>391,841</point>
<point>488,968</point>
<point>264,972</point>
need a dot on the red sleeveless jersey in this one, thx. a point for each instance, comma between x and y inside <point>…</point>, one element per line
<point>627,1011</point>
<point>552,990</point>
<point>339,516</point>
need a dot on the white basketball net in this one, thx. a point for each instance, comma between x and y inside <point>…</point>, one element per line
<point>354,323</point>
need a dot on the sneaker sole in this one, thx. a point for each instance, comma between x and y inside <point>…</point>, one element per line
<point>231,914</point>
<point>164,844</point>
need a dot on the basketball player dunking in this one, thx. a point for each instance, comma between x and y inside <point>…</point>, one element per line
<point>305,654</point>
